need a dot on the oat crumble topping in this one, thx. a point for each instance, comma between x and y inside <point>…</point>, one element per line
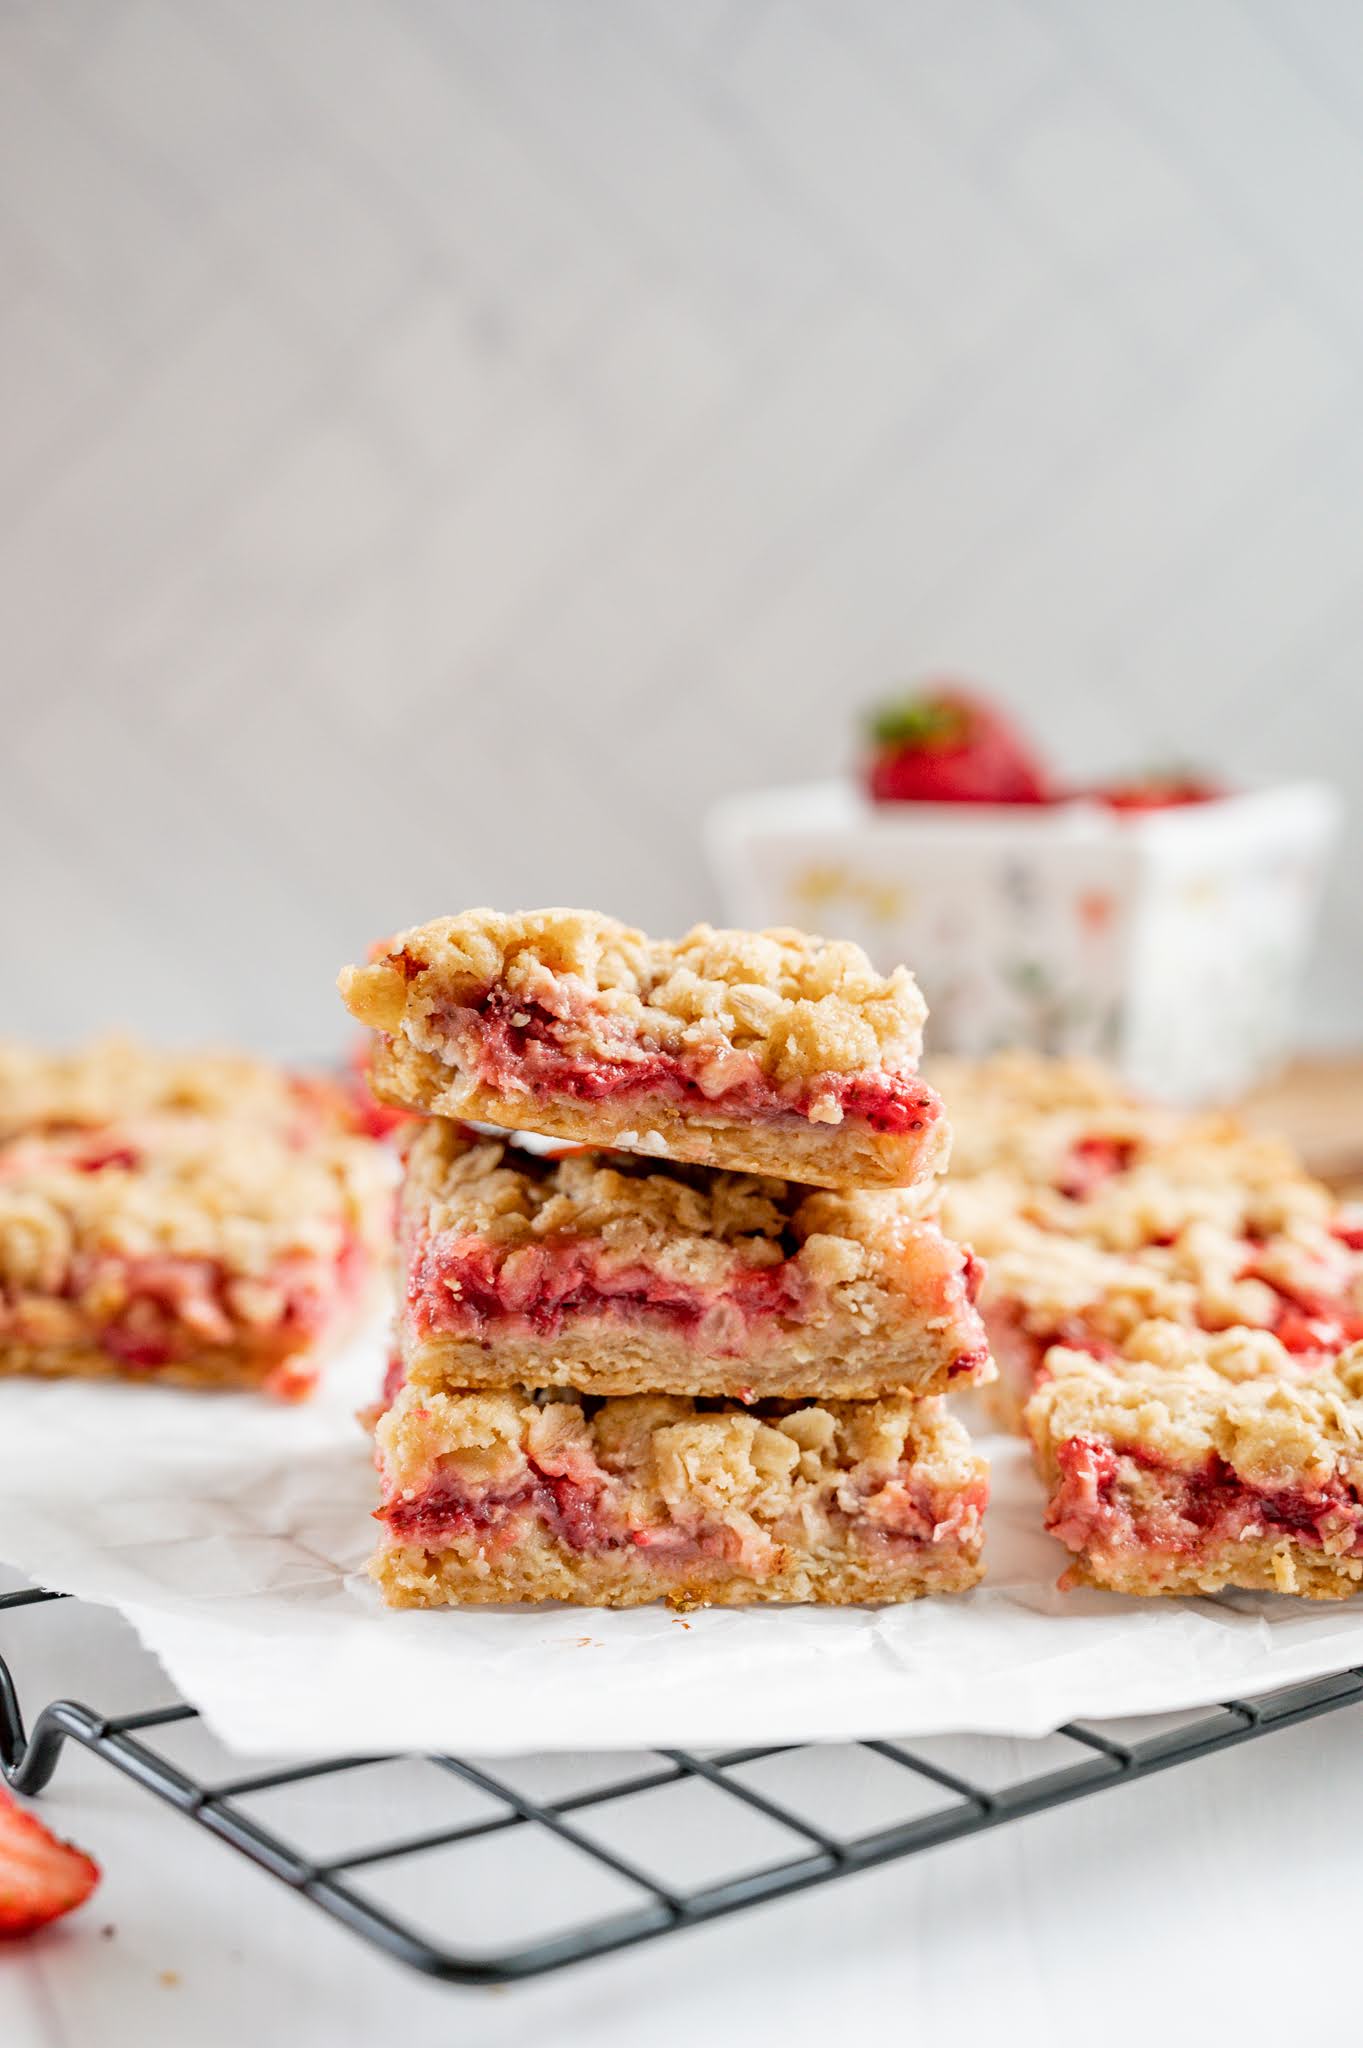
<point>219,1222</point>
<point>112,1079</point>
<point>799,1006</point>
<point>670,1457</point>
<point>1273,1432</point>
<point>692,1223</point>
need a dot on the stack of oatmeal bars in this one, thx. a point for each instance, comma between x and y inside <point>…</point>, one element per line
<point>690,1339</point>
<point>1176,1308</point>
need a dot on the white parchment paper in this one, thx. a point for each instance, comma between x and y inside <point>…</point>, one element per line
<point>232,1534</point>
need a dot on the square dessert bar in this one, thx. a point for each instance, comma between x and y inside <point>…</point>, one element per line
<point>619,1275</point>
<point>190,1249</point>
<point>1299,1286</point>
<point>519,1496</point>
<point>1184,1477</point>
<point>764,1052</point>
<point>1094,1221</point>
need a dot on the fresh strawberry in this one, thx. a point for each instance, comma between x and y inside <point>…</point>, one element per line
<point>946,746</point>
<point>1158,790</point>
<point>40,1877</point>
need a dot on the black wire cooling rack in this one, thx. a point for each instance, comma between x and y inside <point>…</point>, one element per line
<point>580,1846</point>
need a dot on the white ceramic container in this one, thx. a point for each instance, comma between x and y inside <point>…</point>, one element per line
<point>1170,943</point>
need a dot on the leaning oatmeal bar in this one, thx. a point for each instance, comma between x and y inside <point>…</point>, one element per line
<point>763,1052</point>
<point>620,1275</point>
<point>516,1496</point>
<point>1185,1477</point>
<point>182,1248</point>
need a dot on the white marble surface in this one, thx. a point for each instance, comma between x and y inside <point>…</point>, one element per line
<point>1228,1883</point>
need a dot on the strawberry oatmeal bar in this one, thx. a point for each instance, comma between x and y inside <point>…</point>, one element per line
<point>618,1275</point>
<point>182,1248</point>
<point>519,1496</point>
<point>764,1052</point>
<point>1200,1471</point>
<point>1096,1214</point>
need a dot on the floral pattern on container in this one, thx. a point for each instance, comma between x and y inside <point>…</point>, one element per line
<point>1170,942</point>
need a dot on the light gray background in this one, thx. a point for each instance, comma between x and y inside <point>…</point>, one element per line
<point>446,444</point>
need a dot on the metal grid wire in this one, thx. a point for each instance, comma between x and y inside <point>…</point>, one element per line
<point>803,1818</point>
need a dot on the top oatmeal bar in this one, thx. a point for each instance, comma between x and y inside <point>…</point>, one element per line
<point>768,1052</point>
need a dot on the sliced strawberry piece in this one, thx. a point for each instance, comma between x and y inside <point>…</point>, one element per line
<point>40,1877</point>
<point>947,746</point>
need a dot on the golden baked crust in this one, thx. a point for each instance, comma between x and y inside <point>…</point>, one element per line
<point>828,1574</point>
<point>201,1248</point>
<point>509,1496</point>
<point>280,1369</point>
<point>849,1295</point>
<point>818,1156</point>
<point>1193,1465</point>
<point>771,1031</point>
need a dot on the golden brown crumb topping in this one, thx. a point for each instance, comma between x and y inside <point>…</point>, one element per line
<point>800,1006</point>
<point>1275,1433</point>
<point>1087,1203</point>
<point>189,1187</point>
<point>116,1078</point>
<point>1021,1110</point>
<point>669,1458</point>
<point>1202,1175</point>
<point>1206,1277</point>
<point>690,1223</point>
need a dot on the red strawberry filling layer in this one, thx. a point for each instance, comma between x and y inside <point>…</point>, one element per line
<point>465,1287</point>
<point>1121,1500</point>
<point>520,1047</point>
<point>459,1285</point>
<point>166,1309</point>
<point>583,1512</point>
<point>1311,1319</point>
